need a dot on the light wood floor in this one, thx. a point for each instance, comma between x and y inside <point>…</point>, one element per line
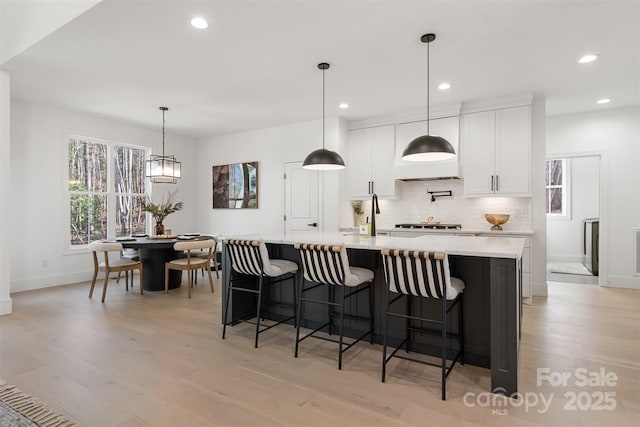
<point>159,359</point>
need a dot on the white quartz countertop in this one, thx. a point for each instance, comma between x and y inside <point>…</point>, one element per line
<point>449,231</point>
<point>491,247</point>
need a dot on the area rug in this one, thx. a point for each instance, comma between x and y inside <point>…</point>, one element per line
<point>569,268</point>
<point>18,409</point>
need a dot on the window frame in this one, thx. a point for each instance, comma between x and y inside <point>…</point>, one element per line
<point>111,195</point>
<point>566,189</point>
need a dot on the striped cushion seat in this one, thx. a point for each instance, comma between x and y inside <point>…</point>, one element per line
<point>420,273</point>
<point>278,267</point>
<point>251,257</point>
<point>329,264</point>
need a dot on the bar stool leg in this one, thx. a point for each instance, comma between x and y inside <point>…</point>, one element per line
<point>408,324</point>
<point>226,306</point>
<point>444,347</point>
<point>385,333</point>
<point>258,308</point>
<point>295,300</point>
<point>461,329</point>
<point>341,328</point>
<point>371,310</point>
<point>299,314</point>
<point>332,298</point>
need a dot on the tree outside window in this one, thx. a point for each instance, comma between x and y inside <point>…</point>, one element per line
<point>557,187</point>
<point>106,190</point>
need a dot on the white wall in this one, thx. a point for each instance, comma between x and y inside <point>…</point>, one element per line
<point>564,233</point>
<point>38,232</point>
<point>271,147</point>
<point>5,193</point>
<point>615,133</point>
<point>538,201</point>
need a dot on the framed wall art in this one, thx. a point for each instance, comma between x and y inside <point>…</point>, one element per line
<point>235,186</point>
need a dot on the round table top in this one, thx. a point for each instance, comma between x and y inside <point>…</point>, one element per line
<point>157,242</point>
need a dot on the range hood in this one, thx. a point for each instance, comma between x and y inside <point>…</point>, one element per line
<point>448,128</point>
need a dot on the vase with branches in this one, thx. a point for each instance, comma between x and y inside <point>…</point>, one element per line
<point>160,211</point>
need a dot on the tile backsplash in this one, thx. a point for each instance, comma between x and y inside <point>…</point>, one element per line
<point>413,205</point>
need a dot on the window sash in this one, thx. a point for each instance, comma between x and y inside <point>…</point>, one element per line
<point>112,195</point>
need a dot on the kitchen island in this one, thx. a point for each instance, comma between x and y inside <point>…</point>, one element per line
<point>491,268</point>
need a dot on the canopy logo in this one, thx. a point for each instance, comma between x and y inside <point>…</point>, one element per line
<point>598,395</point>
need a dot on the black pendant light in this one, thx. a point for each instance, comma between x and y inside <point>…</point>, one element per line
<point>428,147</point>
<point>163,169</point>
<point>323,159</point>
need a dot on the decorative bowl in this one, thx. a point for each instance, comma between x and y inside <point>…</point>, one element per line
<point>497,220</point>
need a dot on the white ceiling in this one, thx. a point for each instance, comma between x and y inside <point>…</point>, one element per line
<point>256,65</point>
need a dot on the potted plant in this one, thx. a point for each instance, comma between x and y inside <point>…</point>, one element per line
<point>159,211</point>
<point>356,206</point>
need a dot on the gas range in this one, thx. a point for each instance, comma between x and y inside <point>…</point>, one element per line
<point>431,226</point>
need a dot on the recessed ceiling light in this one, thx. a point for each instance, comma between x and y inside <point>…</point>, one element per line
<point>604,101</point>
<point>199,23</point>
<point>444,86</point>
<point>589,57</point>
<point>343,105</point>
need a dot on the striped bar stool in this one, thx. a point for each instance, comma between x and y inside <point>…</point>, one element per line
<point>426,275</point>
<point>251,258</point>
<point>329,265</point>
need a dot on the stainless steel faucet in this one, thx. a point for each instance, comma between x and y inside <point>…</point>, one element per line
<point>375,209</point>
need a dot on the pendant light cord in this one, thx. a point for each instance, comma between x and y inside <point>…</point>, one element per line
<point>428,88</point>
<point>323,109</point>
<point>163,133</point>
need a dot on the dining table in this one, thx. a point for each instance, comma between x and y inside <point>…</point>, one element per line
<point>154,252</point>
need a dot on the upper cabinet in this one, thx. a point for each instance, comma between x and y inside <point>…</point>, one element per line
<point>446,127</point>
<point>370,167</point>
<point>496,154</point>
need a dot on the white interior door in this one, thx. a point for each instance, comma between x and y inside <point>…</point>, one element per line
<point>300,198</point>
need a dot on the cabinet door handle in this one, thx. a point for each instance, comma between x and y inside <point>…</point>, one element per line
<point>369,188</point>
<point>497,182</point>
<point>492,182</point>
<point>372,187</point>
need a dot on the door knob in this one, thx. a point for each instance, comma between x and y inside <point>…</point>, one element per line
<point>313,224</point>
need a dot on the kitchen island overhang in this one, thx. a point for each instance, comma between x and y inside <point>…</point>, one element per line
<point>491,268</point>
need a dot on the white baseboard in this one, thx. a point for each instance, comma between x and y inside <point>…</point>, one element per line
<point>50,281</point>
<point>6,306</point>
<point>627,282</point>
<point>539,289</point>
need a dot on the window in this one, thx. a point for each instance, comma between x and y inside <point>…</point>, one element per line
<point>557,187</point>
<point>106,188</point>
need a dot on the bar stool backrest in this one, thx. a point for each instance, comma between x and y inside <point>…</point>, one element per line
<point>248,256</point>
<point>326,264</point>
<point>418,273</point>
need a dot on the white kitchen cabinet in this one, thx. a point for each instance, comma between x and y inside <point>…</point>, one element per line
<point>496,152</point>
<point>370,153</point>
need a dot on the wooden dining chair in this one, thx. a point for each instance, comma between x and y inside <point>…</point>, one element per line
<point>204,254</point>
<point>113,265</point>
<point>190,263</point>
